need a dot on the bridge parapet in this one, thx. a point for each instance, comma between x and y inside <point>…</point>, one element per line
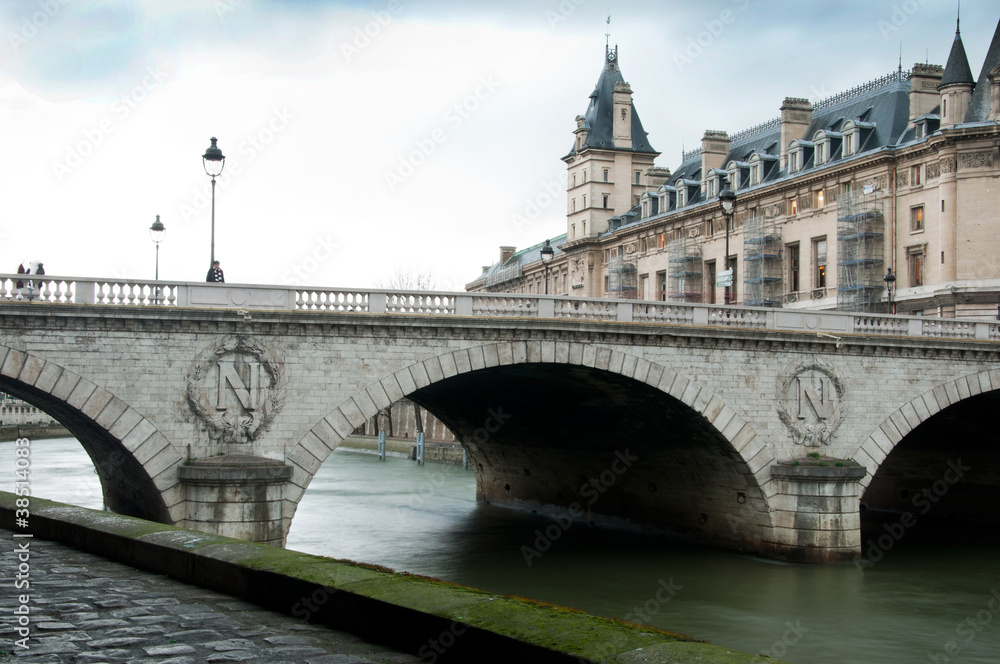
<point>147,293</point>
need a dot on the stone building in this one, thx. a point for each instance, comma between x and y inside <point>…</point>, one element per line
<point>14,411</point>
<point>895,175</point>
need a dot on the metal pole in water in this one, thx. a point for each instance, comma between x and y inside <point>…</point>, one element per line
<point>420,448</point>
<point>381,445</point>
<point>465,458</point>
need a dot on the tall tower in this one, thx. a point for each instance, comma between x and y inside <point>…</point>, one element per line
<point>609,159</point>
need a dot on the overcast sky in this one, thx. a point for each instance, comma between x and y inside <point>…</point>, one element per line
<point>365,136</point>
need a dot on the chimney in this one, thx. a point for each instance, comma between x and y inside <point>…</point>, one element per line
<point>924,97</point>
<point>655,176</point>
<point>505,254</point>
<point>796,116</point>
<point>622,115</point>
<point>714,148</point>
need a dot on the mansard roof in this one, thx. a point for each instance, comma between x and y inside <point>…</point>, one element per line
<point>599,113</point>
<point>957,70</point>
<point>881,108</point>
<point>979,107</point>
<point>884,104</point>
<point>500,273</point>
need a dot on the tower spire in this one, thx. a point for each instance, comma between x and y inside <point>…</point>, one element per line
<point>607,34</point>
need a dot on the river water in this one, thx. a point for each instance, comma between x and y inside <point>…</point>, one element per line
<point>933,597</point>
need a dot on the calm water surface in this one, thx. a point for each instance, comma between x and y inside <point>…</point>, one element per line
<point>906,608</point>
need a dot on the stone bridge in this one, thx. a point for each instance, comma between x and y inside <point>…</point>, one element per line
<point>764,430</point>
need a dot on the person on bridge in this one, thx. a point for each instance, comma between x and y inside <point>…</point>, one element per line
<point>215,274</point>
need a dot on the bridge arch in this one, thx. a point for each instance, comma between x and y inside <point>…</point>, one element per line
<point>893,429</point>
<point>135,462</point>
<point>932,455</point>
<point>737,450</point>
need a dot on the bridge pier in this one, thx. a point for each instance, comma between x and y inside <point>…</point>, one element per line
<point>236,495</point>
<point>815,511</point>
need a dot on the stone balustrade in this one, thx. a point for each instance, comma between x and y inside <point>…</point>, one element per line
<point>147,293</point>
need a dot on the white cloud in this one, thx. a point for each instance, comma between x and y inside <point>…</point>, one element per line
<point>83,84</point>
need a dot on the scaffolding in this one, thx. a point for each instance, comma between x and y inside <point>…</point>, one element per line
<point>622,281</point>
<point>761,263</point>
<point>860,249</point>
<point>684,255</point>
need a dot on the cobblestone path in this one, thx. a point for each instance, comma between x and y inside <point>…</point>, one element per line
<point>84,608</point>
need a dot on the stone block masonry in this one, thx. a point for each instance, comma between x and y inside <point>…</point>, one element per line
<point>88,607</point>
<point>709,410</point>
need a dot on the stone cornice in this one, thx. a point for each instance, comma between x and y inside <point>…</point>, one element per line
<point>19,318</point>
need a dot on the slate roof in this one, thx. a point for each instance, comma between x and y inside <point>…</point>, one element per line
<point>979,107</point>
<point>881,108</point>
<point>520,258</point>
<point>599,113</point>
<point>957,70</point>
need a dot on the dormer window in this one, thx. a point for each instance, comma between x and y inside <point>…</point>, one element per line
<point>668,196</point>
<point>714,183</point>
<point>738,173</point>
<point>822,153</point>
<point>850,143</point>
<point>926,125</point>
<point>827,143</point>
<point>681,196</point>
<point>855,133</point>
<point>799,153</point>
<point>756,169</point>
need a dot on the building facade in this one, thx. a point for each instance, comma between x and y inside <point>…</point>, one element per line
<point>896,176</point>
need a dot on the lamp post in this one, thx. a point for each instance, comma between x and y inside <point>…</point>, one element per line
<point>727,199</point>
<point>157,232</point>
<point>214,161</point>
<point>890,280</point>
<point>547,253</point>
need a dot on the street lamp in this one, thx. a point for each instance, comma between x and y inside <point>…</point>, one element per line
<point>157,232</point>
<point>727,199</point>
<point>214,161</point>
<point>547,253</point>
<point>890,280</point>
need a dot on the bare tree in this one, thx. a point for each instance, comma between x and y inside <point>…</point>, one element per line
<point>410,279</point>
